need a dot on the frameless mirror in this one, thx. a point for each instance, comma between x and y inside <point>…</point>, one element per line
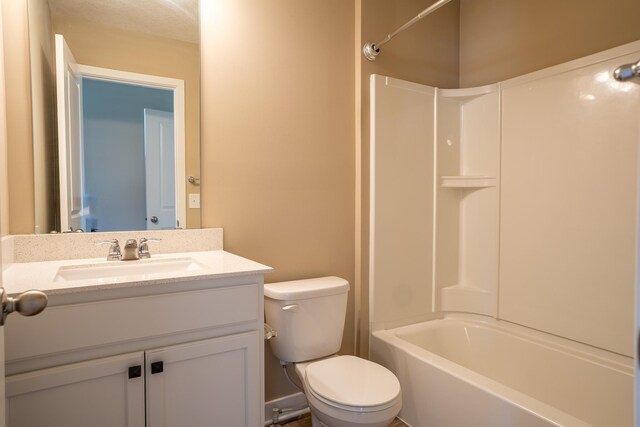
<point>116,107</point>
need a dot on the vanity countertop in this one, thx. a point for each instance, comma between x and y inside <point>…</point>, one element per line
<point>46,275</point>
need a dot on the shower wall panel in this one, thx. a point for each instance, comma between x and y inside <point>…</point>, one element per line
<point>402,191</point>
<point>570,138</point>
<point>534,192</point>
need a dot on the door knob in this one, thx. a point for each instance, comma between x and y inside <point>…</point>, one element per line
<point>154,219</point>
<point>28,303</point>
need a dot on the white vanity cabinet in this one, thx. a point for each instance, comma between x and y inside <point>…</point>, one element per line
<point>169,355</point>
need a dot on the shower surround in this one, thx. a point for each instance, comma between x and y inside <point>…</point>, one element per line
<point>516,203</point>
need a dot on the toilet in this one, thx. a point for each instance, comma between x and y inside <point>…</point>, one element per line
<point>342,391</point>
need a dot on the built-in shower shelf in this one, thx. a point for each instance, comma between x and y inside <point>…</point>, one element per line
<point>468,181</point>
<point>468,298</point>
<point>466,94</point>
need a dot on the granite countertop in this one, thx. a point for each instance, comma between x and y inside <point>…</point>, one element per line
<point>44,275</point>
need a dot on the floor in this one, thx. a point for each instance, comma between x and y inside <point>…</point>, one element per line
<point>305,421</point>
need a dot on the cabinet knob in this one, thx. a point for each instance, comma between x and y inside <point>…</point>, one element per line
<point>135,371</point>
<point>157,367</point>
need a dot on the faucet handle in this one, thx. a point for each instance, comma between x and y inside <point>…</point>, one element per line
<point>143,248</point>
<point>114,251</point>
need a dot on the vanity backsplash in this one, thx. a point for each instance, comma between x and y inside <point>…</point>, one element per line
<point>51,247</point>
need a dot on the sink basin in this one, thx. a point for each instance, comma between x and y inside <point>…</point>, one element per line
<point>116,269</point>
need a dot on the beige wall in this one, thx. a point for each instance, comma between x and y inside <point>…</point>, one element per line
<point>278,139</point>
<point>500,39</point>
<point>19,133</point>
<point>140,53</point>
<point>427,54</point>
<point>43,111</point>
<point>4,177</point>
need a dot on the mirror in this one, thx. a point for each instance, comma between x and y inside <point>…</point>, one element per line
<point>117,148</point>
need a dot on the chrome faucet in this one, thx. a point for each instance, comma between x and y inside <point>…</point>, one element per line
<point>143,249</point>
<point>130,250</point>
<point>114,249</point>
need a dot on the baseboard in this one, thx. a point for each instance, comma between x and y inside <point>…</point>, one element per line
<point>296,403</point>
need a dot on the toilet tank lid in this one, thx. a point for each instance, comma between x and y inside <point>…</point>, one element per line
<point>307,288</point>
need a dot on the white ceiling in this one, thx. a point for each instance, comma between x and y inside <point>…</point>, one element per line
<point>175,19</point>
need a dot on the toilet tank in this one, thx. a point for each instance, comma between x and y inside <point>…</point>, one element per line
<point>308,315</point>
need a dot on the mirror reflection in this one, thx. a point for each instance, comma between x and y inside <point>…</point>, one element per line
<point>115,95</point>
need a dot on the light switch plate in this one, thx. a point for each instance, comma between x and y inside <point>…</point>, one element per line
<point>194,201</point>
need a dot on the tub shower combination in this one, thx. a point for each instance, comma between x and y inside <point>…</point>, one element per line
<point>503,224</point>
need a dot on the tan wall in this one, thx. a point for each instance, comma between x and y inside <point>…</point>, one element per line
<point>140,53</point>
<point>4,177</point>
<point>500,39</point>
<point>278,139</point>
<point>428,54</point>
<point>19,132</point>
<point>43,94</point>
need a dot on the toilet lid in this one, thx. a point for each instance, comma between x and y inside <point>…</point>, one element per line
<point>351,381</point>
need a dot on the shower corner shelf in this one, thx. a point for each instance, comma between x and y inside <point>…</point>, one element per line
<point>468,181</point>
<point>469,93</point>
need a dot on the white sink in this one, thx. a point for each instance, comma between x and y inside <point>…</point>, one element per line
<point>115,269</point>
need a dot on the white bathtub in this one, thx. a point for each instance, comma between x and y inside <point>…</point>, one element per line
<point>470,371</point>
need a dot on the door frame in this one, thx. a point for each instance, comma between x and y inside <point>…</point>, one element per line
<point>179,136</point>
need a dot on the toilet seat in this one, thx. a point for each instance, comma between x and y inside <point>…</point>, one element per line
<point>352,384</point>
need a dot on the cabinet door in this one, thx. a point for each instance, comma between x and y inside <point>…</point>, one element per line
<point>97,393</point>
<point>214,382</point>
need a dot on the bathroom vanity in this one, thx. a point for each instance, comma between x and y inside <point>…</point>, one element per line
<point>179,342</point>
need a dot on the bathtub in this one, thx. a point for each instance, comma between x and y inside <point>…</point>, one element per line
<point>471,371</point>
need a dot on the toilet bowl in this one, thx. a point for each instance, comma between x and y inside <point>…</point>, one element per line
<point>346,391</point>
<point>342,391</point>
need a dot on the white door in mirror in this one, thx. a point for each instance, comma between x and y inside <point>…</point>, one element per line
<point>69,102</point>
<point>160,170</point>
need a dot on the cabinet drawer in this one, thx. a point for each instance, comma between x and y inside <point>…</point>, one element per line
<point>80,326</point>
